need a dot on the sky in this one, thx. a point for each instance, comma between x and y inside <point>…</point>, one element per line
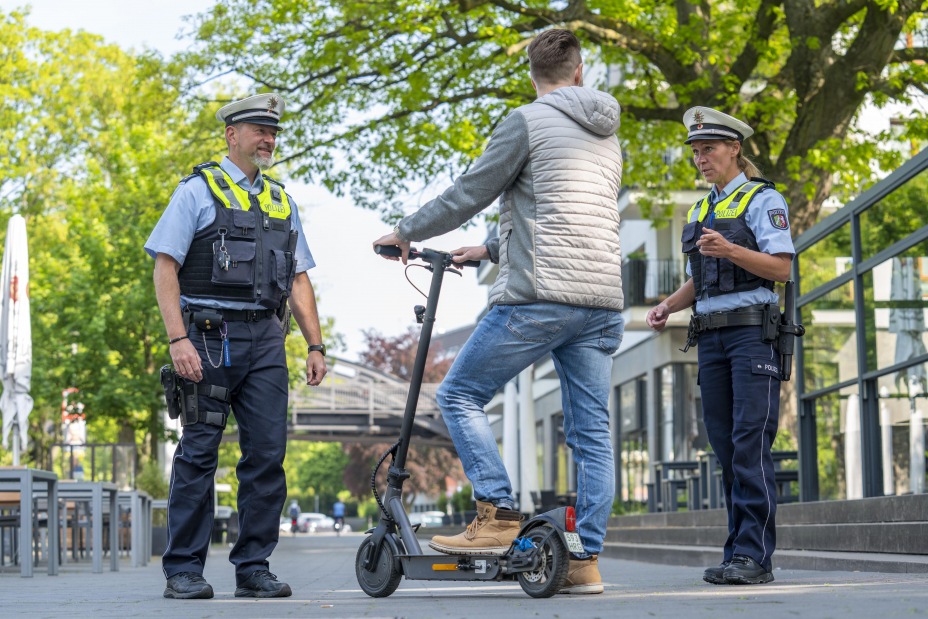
<point>355,287</point>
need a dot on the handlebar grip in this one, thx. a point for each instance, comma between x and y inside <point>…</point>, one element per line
<point>469,263</point>
<point>388,250</point>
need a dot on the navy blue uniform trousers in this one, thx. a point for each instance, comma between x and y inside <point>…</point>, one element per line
<point>740,384</point>
<point>257,379</point>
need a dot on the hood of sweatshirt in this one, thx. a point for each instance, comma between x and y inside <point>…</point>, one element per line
<point>594,110</point>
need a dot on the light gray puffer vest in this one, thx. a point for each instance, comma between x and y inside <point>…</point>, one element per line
<point>559,221</point>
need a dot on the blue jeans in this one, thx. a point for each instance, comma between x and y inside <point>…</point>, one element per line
<point>509,339</point>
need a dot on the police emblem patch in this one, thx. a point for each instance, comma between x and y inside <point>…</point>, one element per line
<point>272,103</point>
<point>697,116</point>
<point>778,218</point>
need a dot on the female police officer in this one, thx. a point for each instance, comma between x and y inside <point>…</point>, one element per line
<point>738,244</point>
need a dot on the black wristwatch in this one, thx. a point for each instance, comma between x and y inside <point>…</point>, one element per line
<point>317,347</point>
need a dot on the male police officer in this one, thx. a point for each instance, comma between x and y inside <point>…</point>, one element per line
<point>229,252</point>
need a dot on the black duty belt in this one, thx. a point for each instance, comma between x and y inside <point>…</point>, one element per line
<point>752,315</point>
<point>741,317</point>
<point>229,315</point>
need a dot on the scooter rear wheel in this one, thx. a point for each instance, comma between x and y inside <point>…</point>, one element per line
<point>549,578</point>
<point>385,578</point>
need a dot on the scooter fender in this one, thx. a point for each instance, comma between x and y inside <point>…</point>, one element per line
<point>389,539</point>
<point>557,518</point>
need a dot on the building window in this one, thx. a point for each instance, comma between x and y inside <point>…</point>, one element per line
<point>864,280</point>
<point>830,343</point>
<point>561,475</point>
<point>680,423</point>
<point>633,462</point>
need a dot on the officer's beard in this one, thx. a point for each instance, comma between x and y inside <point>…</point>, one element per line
<point>263,163</point>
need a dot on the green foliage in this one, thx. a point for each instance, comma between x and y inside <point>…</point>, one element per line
<point>390,96</point>
<point>92,145</point>
<point>315,469</point>
<point>93,140</point>
<point>151,479</point>
<point>625,508</point>
<point>461,501</point>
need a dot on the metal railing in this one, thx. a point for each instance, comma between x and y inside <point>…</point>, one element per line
<point>370,398</point>
<point>363,409</point>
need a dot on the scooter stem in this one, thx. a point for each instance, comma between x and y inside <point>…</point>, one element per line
<point>439,262</point>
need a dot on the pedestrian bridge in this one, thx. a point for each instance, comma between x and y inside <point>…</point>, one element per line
<point>355,403</point>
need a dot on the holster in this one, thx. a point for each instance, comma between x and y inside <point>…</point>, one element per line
<point>283,314</point>
<point>172,392</point>
<point>770,326</point>
<point>182,396</point>
<point>787,332</point>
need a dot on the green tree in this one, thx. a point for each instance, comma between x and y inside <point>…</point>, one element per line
<point>93,139</point>
<point>390,95</point>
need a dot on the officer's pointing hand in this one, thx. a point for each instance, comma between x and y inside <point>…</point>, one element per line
<point>187,360</point>
<point>713,244</point>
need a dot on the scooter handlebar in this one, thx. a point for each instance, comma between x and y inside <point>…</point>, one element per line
<point>394,252</point>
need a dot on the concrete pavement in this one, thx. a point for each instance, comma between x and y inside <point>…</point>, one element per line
<point>320,569</point>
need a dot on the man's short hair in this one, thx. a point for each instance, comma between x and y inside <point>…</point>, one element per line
<point>553,56</point>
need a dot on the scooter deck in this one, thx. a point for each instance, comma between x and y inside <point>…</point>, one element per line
<point>454,567</point>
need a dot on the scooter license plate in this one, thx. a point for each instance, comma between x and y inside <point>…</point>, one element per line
<point>573,542</point>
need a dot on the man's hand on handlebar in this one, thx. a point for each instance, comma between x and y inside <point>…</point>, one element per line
<point>463,254</point>
<point>393,239</point>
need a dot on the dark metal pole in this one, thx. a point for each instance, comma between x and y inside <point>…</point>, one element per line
<point>438,262</point>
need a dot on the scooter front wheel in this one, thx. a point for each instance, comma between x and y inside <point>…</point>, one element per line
<point>385,577</point>
<point>549,578</point>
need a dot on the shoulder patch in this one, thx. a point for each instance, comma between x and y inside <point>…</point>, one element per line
<point>187,178</point>
<point>778,218</point>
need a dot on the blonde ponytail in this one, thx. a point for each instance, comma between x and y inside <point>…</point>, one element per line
<point>746,165</point>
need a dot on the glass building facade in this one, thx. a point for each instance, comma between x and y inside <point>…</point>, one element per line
<point>862,367</point>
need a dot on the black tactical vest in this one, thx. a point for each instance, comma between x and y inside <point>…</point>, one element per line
<point>720,276</point>
<point>246,254</point>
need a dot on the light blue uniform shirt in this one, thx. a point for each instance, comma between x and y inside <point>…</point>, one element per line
<point>767,207</point>
<point>192,208</point>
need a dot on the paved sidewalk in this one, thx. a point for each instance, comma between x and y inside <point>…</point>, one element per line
<point>320,568</point>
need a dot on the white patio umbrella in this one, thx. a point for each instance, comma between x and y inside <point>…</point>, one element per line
<point>15,337</point>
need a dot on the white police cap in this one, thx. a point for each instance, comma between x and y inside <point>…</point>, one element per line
<point>704,123</point>
<point>264,109</point>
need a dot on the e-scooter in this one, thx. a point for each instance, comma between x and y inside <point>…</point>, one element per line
<point>539,556</point>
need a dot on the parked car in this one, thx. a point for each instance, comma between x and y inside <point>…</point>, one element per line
<point>314,522</point>
<point>429,519</point>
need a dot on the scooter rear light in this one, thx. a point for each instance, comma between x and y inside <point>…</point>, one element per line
<point>571,520</point>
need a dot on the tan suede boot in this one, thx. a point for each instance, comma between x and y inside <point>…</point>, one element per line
<point>491,533</point>
<point>583,576</point>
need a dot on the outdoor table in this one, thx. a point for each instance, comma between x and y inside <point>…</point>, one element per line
<point>139,506</point>
<point>92,492</point>
<point>709,481</point>
<point>23,479</point>
<point>666,483</point>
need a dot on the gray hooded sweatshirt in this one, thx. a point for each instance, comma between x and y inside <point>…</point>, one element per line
<point>556,166</point>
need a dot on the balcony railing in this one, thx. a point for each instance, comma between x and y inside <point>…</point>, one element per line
<point>646,282</point>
